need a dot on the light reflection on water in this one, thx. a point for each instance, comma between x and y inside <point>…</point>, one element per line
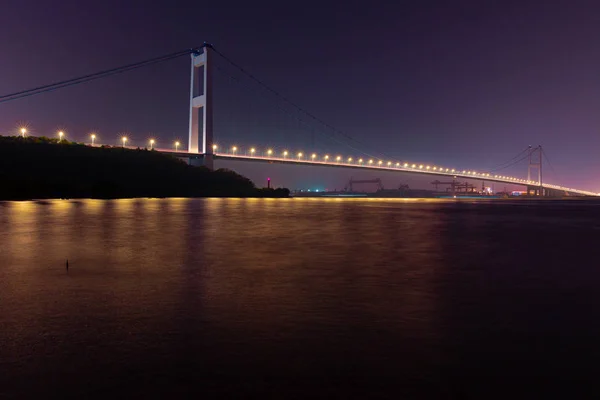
<point>288,290</point>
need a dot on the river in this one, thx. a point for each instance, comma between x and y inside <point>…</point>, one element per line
<point>298,298</point>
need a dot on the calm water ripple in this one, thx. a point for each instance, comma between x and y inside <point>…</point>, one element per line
<point>297,297</point>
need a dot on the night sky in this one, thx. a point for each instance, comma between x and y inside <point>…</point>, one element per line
<point>466,84</point>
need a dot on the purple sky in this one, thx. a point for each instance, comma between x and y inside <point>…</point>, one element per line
<point>466,84</point>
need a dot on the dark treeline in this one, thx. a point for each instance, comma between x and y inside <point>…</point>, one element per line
<point>42,168</point>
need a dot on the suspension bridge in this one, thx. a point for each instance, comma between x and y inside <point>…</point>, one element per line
<point>202,149</point>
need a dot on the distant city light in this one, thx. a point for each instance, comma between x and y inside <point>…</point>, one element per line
<point>93,136</point>
<point>124,139</point>
<point>60,135</point>
<point>176,145</point>
<point>23,131</point>
<point>151,144</point>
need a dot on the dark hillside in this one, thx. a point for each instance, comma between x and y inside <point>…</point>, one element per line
<point>37,168</point>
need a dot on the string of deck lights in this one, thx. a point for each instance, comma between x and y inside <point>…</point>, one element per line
<point>326,159</point>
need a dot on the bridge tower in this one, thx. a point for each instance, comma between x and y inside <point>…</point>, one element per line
<point>201,97</point>
<point>535,165</point>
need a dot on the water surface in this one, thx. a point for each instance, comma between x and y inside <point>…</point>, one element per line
<point>298,298</point>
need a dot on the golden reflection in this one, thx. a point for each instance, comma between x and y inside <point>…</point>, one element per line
<point>301,253</point>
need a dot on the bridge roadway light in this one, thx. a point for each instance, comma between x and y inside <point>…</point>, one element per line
<point>124,139</point>
<point>397,164</point>
<point>349,159</point>
<point>215,147</point>
<point>428,167</point>
<point>370,161</point>
<point>234,149</point>
<point>420,166</point>
<point>326,157</point>
<point>252,151</point>
<point>313,156</point>
<point>23,132</point>
<point>93,136</point>
<point>285,153</point>
<point>338,158</point>
<point>414,166</point>
<point>151,144</point>
<point>360,160</point>
<point>176,145</point>
<point>405,165</point>
<point>60,135</point>
<point>269,152</point>
<point>380,162</point>
<point>299,155</point>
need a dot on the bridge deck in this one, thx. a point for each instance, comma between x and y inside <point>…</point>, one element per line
<point>421,169</point>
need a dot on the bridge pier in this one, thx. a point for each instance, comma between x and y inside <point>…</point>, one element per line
<point>200,160</point>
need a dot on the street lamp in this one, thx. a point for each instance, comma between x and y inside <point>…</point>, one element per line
<point>151,144</point>
<point>370,161</point>
<point>234,149</point>
<point>285,153</point>
<point>338,158</point>
<point>360,160</point>
<point>326,157</point>
<point>299,156</point>
<point>60,135</point>
<point>349,159</point>
<point>124,139</point>
<point>93,136</point>
<point>252,150</point>
<point>313,156</point>
<point>23,132</point>
<point>214,147</point>
<point>176,145</point>
<point>269,152</point>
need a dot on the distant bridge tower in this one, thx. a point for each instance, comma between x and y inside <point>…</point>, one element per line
<point>536,165</point>
<point>201,97</point>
